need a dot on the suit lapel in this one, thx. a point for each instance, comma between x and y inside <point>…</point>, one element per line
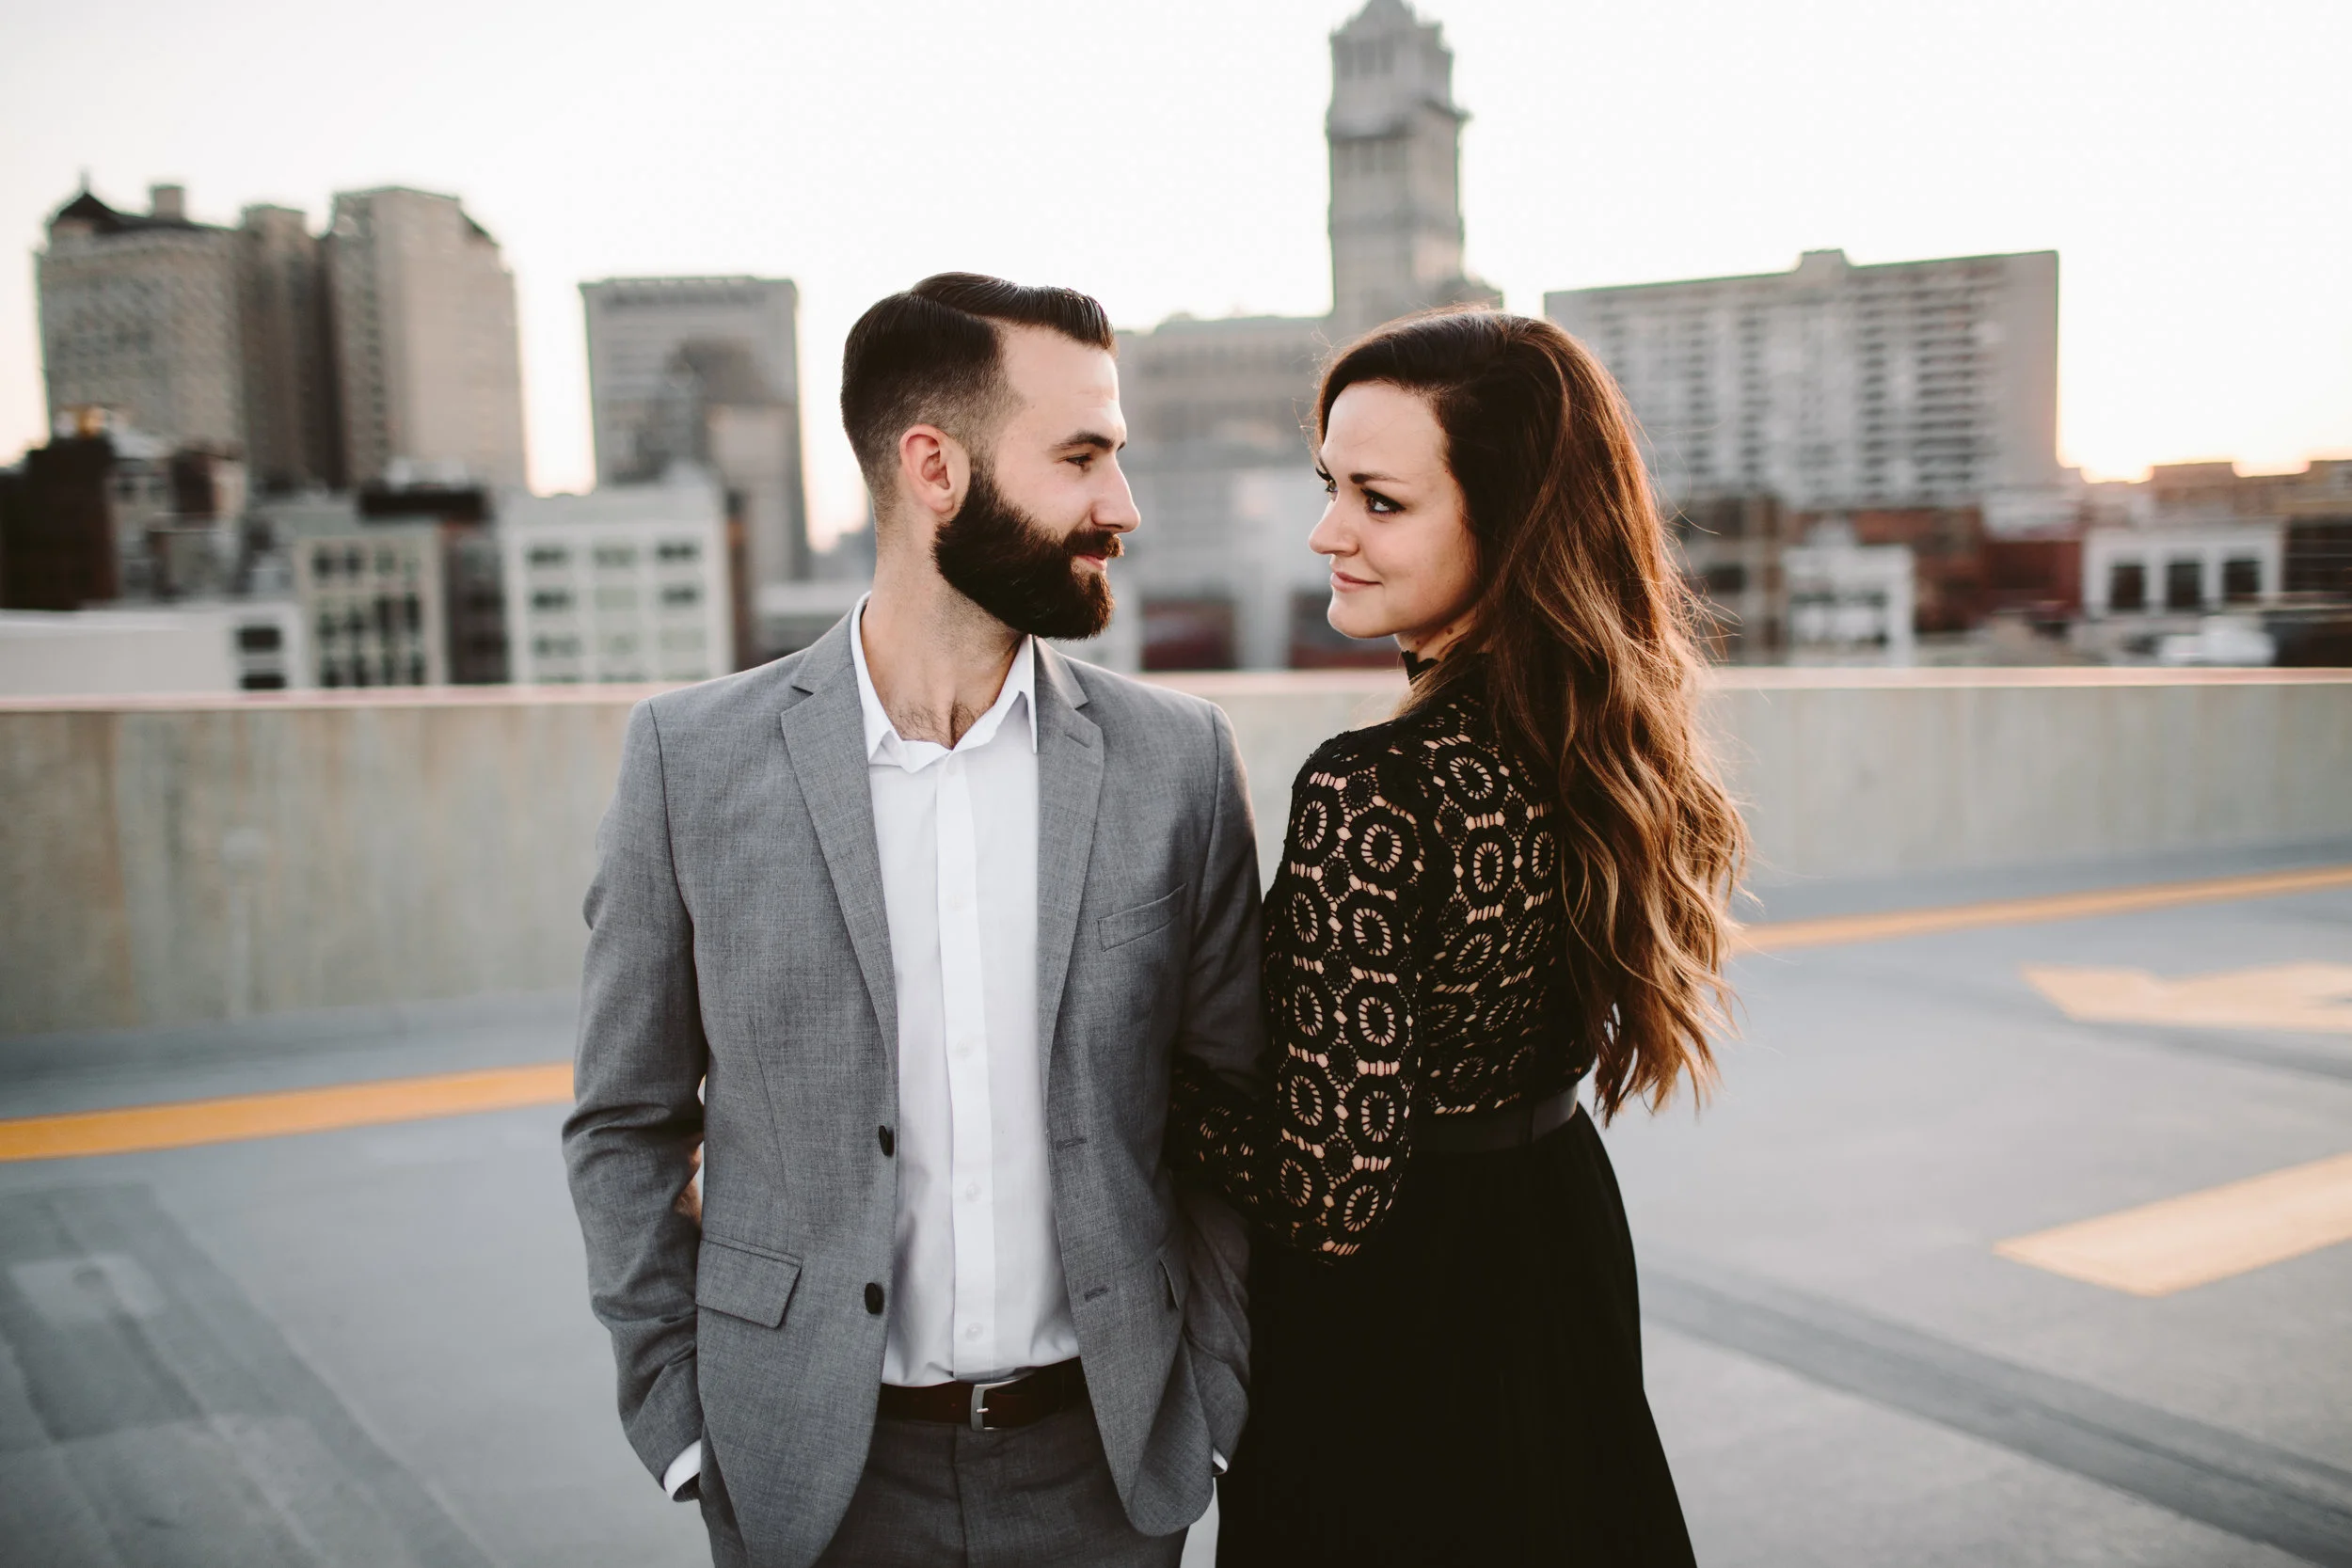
<point>1069,790</point>
<point>824,734</point>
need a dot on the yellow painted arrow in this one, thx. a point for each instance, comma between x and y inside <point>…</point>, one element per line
<point>2307,998</point>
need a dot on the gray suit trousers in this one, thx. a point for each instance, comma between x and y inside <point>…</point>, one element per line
<point>935,1496</point>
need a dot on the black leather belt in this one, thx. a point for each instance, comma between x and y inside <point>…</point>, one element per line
<point>1487,1131</point>
<point>988,1407</point>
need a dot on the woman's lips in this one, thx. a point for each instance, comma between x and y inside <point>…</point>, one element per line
<point>1342,583</point>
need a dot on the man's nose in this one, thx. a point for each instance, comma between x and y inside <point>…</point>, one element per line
<point>1118,512</point>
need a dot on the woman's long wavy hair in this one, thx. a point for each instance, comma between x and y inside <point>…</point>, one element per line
<point>1583,620</point>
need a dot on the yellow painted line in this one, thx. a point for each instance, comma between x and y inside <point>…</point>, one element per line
<point>2302,998</point>
<point>2168,1246</point>
<point>1782,936</point>
<point>185,1123</point>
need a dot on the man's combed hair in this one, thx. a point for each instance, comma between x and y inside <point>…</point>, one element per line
<point>933,355</point>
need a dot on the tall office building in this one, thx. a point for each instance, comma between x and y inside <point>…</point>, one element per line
<point>194,334</point>
<point>140,314</point>
<point>1216,410</point>
<point>428,364</point>
<point>1834,385</point>
<point>706,371</point>
<point>291,439</point>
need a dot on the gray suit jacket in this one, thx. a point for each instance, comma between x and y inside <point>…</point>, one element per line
<point>737,989</point>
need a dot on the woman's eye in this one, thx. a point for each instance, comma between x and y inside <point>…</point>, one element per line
<point>1378,504</point>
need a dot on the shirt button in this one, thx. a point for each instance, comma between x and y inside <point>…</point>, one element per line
<point>964,1050</point>
<point>972,1189</point>
<point>889,1144</point>
<point>973,1332</point>
<point>874,1299</point>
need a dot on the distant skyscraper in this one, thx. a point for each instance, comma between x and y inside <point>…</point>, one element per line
<point>194,334</point>
<point>290,430</point>
<point>706,370</point>
<point>1833,386</point>
<point>140,314</point>
<point>1395,137</point>
<point>429,366</point>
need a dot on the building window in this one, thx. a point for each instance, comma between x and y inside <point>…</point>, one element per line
<point>2184,584</point>
<point>2241,580</point>
<point>549,555</point>
<point>620,556</point>
<point>678,550</point>
<point>682,593</point>
<point>551,598</point>
<point>2127,585</point>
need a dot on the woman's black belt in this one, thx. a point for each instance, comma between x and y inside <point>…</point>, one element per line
<point>1486,1132</point>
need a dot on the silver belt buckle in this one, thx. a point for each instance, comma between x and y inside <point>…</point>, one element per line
<point>979,1402</point>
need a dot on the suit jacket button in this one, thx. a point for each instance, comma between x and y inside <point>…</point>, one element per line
<point>890,1145</point>
<point>874,1299</point>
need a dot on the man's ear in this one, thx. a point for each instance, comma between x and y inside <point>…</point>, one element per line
<point>934,471</point>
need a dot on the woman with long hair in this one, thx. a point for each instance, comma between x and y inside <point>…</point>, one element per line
<point>1516,886</point>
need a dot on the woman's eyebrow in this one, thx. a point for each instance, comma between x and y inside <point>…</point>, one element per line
<point>1376,478</point>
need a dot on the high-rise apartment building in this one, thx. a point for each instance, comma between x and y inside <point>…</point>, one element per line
<point>1919,383</point>
<point>706,371</point>
<point>198,335</point>
<point>429,367</point>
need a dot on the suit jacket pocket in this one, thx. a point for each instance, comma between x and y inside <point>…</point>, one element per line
<point>743,1282</point>
<point>1117,930</point>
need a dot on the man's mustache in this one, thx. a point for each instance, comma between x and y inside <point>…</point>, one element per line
<point>1101,542</point>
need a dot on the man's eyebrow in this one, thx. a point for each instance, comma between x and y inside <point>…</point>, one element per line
<point>1094,438</point>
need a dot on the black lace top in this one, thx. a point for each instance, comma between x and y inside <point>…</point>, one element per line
<point>1412,968</point>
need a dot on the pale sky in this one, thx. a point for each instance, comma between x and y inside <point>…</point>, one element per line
<point>2190,162</point>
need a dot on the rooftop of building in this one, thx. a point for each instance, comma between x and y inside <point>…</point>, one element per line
<point>89,213</point>
<point>1828,263</point>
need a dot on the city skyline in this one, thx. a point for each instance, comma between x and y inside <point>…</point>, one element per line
<point>2180,167</point>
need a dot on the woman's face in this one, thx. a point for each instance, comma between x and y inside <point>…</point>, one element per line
<point>1402,562</point>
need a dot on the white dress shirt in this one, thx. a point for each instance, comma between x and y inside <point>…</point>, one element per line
<point>977,1288</point>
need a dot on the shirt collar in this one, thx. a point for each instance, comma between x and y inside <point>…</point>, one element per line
<point>884,742</point>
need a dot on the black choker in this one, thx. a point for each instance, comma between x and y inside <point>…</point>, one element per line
<point>1416,666</point>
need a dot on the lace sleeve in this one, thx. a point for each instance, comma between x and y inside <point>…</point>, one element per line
<point>1319,1165</point>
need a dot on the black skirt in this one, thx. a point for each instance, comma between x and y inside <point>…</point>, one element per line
<point>1465,1389</point>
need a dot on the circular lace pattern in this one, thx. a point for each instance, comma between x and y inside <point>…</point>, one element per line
<point>1412,968</point>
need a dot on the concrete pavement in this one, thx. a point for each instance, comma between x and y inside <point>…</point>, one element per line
<point>373,1345</point>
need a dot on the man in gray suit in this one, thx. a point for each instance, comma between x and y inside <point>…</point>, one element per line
<point>904,931</point>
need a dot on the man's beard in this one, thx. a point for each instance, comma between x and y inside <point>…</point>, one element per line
<point>1004,561</point>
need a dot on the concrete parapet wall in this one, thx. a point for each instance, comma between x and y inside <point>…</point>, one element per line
<point>177,859</point>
